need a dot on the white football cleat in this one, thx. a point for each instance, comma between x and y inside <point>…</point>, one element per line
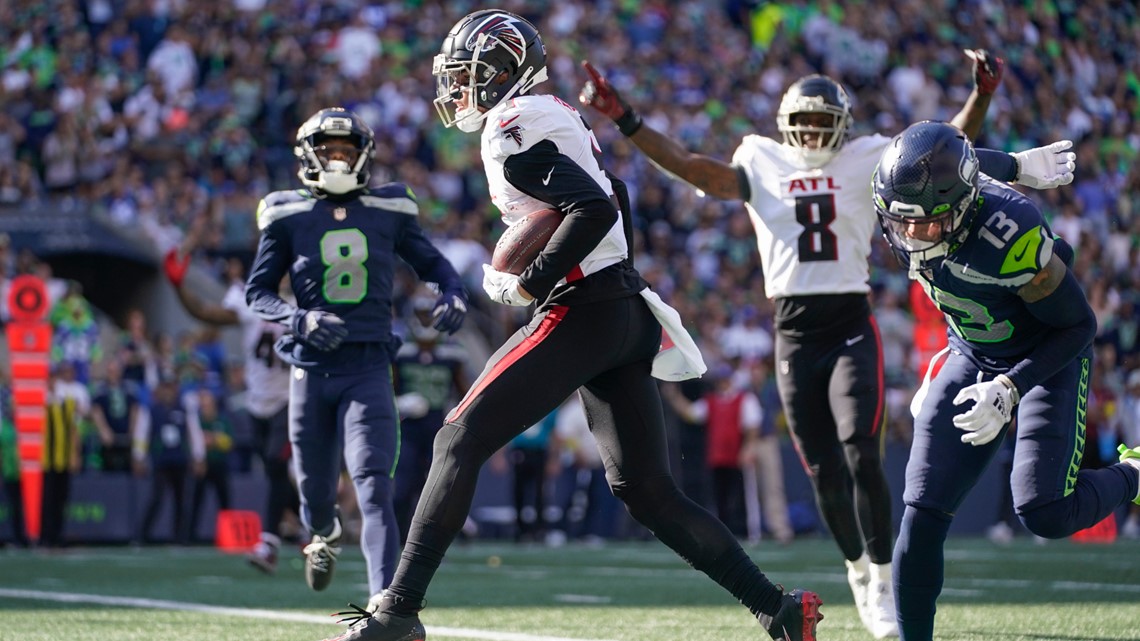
<point>881,603</point>
<point>859,578</point>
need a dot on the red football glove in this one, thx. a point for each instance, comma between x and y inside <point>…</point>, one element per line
<point>175,266</point>
<point>599,94</point>
<point>987,70</point>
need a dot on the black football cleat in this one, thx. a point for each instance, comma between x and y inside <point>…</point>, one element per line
<point>796,619</point>
<point>380,626</point>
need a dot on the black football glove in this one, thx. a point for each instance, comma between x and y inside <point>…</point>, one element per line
<point>322,330</point>
<point>449,311</point>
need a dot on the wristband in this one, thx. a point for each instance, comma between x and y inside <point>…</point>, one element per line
<point>1015,396</point>
<point>629,122</point>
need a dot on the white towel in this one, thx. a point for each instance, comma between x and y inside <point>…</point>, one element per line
<point>679,358</point>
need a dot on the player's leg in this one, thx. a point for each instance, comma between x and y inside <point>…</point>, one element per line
<point>410,472</point>
<point>855,394</point>
<point>803,377</point>
<point>856,399</point>
<point>316,461</point>
<point>273,436</point>
<point>1053,497</point>
<point>941,471</point>
<point>624,410</point>
<point>367,412</point>
<point>527,378</point>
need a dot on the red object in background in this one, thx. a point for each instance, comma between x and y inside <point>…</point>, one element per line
<point>237,531</point>
<point>1103,532</point>
<point>929,330</point>
<point>29,346</point>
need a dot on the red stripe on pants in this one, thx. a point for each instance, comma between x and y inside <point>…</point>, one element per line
<point>553,318</point>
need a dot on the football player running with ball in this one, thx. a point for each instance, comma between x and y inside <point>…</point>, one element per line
<point>597,331</point>
<point>808,200</point>
<point>338,241</point>
<point>1020,346</point>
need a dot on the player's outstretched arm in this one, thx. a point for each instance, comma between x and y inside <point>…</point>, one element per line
<point>987,76</point>
<point>174,265</point>
<point>715,177</point>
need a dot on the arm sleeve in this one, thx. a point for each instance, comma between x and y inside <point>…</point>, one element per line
<point>425,258</point>
<point>1068,312</point>
<point>269,266</point>
<point>544,173</point>
<point>997,164</point>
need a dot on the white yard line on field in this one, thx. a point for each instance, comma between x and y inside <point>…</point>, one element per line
<point>252,613</point>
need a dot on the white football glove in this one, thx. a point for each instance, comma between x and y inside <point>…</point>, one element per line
<point>412,405</point>
<point>1046,167</point>
<point>993,408</point>
<point>502,287</point>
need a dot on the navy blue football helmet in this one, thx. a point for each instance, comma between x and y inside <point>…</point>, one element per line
<point>926,192</point>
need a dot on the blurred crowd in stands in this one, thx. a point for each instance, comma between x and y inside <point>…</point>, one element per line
<point>167,114</point>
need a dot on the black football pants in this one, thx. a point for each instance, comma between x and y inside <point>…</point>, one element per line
<point>606,349</point>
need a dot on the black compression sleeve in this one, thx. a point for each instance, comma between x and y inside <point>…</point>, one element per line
<point>546,174</point>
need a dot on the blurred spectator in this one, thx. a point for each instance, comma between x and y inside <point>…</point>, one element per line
<point>61,458</point>
<point>728,413</point>
<point>168,446</point>
<point>115,411</point>
<point>429,377</point>
<point>217,434</point>
<point>762,461</point>
<point>75,334</point>
<point>10,466</point>
<point>140,361</point>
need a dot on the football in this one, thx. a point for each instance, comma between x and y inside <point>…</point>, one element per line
<point>523,241</point>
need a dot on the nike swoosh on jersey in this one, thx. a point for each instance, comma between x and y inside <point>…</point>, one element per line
<point>852,341</point>
<point>546,181</point>
<point>503,124</point>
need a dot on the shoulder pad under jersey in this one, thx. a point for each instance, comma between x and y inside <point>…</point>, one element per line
<point>280,204</point>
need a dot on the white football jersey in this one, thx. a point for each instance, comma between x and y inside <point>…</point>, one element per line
<point>517,125</point>
<point>813,226</point>
<point>266,377</point>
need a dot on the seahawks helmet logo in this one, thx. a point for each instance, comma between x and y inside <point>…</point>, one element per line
<point>968,166</point>
<point>498,29</point>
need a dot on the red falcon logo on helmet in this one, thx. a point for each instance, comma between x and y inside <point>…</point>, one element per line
<point>501,28</point>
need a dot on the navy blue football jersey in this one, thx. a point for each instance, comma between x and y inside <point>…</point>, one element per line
<point>976,285</point>
<point>341,256</point>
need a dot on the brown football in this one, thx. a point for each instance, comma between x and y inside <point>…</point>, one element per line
<point>523,241</point>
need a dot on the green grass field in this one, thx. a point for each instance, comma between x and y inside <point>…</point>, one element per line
<point>622,592</point>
